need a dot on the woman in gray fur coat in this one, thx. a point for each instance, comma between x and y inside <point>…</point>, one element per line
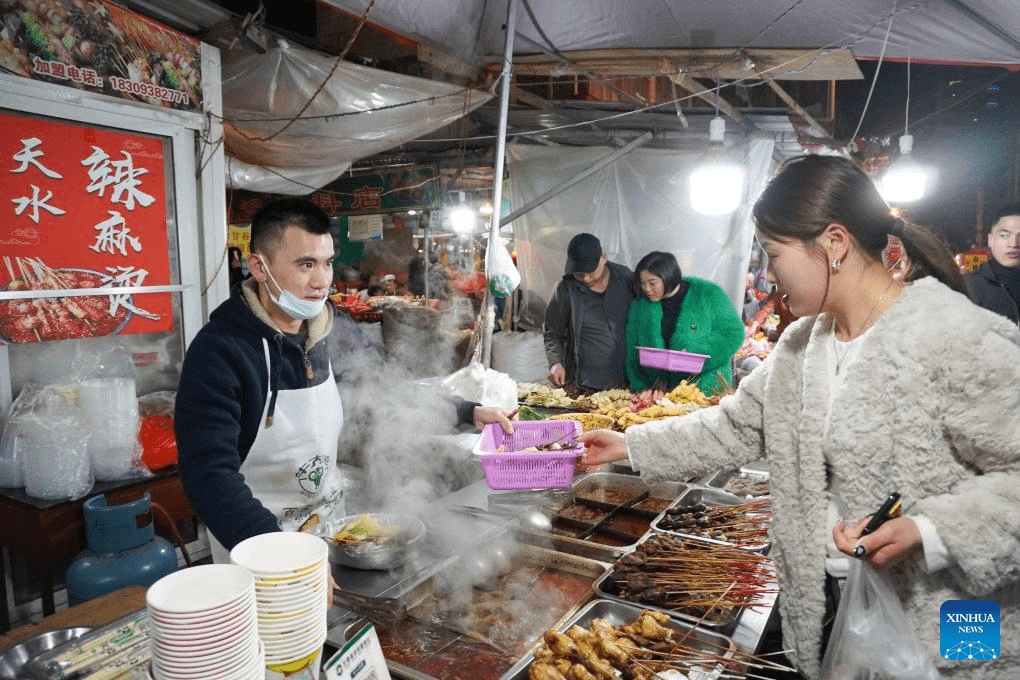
<point>881,386</point>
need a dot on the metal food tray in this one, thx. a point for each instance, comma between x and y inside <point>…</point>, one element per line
<point>622,613</point>
<point>720,479</point>
<point>724,621</point>
<point>528,554</point>
<point>122,644</point>
<point>629,509</point>
<point>710,497</point>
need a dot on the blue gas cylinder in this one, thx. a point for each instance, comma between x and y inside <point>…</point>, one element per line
<point>119,552</point>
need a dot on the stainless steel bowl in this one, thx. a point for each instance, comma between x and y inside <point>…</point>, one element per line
<point>385,555</point>
<point>13,661</point>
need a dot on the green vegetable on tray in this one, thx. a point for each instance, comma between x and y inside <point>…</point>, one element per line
<point>529,413</point>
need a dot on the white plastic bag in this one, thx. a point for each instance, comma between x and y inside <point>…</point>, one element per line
<point>871,636</point>
<point>503,274</point>
<point>520,355</point>
<point>474,382</point>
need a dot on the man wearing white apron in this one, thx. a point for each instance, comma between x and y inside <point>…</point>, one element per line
<point>258,414</point>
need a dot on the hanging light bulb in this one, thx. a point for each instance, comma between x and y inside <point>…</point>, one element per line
<point>462,217</point>
<point>717,184</point>
<point>905,180</point>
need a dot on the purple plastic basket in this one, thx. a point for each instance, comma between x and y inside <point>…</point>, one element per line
<point>671,359</point>
<point>532,469</point>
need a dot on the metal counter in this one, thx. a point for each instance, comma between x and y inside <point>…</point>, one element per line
<point>747,635</point>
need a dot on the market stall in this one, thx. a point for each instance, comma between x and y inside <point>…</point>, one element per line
<point>479,589</point>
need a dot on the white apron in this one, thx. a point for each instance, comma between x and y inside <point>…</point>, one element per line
<point>291,467</point>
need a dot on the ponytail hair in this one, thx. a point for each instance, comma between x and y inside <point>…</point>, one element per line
<point>811,192</point>
<point>929,255</point>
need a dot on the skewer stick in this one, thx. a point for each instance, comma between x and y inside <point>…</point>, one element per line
<point>10,270</point>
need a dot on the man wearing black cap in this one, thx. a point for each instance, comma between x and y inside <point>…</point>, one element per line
<point>586,319</point>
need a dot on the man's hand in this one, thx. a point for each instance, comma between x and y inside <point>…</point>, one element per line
<point>601,446</point>
<point>890,543</point>
<point>492,414</point>
<point>557,375</point>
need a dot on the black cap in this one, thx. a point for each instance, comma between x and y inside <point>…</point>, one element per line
<point>583,254</point>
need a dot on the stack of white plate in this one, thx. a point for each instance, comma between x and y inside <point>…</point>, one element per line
<point>292,595</point>
<point>203,625</point>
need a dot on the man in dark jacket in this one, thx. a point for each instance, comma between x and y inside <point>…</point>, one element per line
<point>995,285</point>
<point>258,413</point>
<point>586,319</point>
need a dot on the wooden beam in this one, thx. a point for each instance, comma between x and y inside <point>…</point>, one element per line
<point>697,89</point>
<point>797,108</point>
<point>531,99</point>
<point>445,62</point>
<point>722,63</point>
<point>558,58</point>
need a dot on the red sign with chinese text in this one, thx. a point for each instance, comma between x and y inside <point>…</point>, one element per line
<point>101,47</point>
<point>82,208</point>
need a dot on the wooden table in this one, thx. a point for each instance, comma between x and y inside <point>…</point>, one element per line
<point>51,533</point>
<point>93,614</point>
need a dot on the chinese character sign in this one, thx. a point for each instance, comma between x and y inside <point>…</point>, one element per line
<point>101,47</point>
<point>81,208</point>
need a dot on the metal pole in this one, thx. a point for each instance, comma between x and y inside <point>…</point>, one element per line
<point>488,318</point>
<point>425,254</point>
<point>587,172</point>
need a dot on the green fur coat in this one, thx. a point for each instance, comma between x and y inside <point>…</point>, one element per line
<point>708,324</point>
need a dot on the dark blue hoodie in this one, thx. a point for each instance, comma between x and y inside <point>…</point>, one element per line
<point>222,394</point>
<point>220,400</point>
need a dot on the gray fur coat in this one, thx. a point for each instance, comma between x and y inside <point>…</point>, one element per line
<point>930,407</point>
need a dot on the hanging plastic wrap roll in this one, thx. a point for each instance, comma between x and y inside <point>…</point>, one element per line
<point>261,93</point>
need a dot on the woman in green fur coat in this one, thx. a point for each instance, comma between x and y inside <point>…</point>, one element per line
<point>695,315</point>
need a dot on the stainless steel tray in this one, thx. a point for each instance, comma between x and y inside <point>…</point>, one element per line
<point>634,486</point>
<point>622,613</point>
<point>711,498</point>
<point>722,621</point>
<point>441,650</point>
<point>610,513</point>
<point>122,644</point>
<point>755,481</point>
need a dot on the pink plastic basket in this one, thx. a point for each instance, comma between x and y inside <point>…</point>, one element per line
<point>671,359</point>
<point>532,469</point>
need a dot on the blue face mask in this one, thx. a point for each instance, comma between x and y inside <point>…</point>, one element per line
<point>290,304</point>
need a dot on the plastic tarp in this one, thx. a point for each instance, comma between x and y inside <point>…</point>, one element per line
<point>924,30</point>
<point>359,112</point>
<point>635,205</point>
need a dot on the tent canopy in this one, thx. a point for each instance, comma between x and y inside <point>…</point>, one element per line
<point>945,31</point>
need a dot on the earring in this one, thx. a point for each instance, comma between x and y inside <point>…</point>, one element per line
<point>835,265</point>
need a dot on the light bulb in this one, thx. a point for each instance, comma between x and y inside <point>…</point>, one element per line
<point>905,180</point>
<point>717,184</point>
<point>462,219</point>
<point>717,187</point>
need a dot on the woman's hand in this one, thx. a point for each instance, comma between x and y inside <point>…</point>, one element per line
<point>492,414</point>
<point>601,446</point>
<point>890,543</point>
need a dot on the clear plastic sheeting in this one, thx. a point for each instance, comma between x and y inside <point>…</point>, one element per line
<point>975,31</point>
<point>637,204</point>
<point>360,111</point>
<point>272,180</point>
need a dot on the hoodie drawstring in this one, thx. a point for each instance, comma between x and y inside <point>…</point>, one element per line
<point>274,379</point>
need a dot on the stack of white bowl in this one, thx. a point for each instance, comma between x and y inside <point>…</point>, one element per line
<point>203,625</point>
<point>292,595</point>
